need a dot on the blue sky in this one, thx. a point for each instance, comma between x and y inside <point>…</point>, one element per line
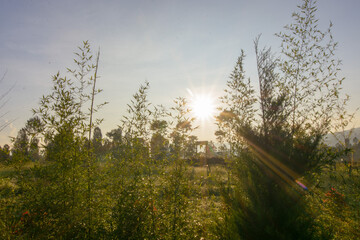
<point>175,45</point>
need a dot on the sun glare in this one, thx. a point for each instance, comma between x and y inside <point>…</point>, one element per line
<point>203,107</point>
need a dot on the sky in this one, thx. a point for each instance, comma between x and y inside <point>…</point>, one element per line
<point>174,45</point>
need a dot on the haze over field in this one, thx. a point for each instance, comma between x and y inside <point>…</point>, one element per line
<point>175,45</point>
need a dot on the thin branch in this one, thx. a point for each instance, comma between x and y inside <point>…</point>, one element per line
<point>93,95</point>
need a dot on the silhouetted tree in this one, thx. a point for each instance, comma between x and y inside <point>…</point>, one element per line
<point>97,142</point>
<point>158,143</point>
<point>5,154</point>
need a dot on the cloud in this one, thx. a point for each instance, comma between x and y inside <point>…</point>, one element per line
<point>13,130</point>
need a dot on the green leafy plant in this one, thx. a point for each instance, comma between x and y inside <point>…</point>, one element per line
<point>299,94</point>
<point>62,120</point>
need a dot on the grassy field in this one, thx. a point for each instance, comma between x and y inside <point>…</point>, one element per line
<point>333,198</point>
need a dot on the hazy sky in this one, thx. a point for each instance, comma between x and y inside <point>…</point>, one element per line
<point>175,45</point>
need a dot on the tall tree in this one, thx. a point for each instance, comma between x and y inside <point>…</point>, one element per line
<point>238,105</point>
<point>20,150</point>
<point>159,143</point>
<point>63,117</point>
<point>97,142</point>
<point>132,169</point>
<point>5,154</point>
<point>137,123</point>
<point>310,71</point>
<point>177,186</point>
<point>298,96</point>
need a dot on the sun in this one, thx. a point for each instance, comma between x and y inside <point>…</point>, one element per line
<point>202,107</point>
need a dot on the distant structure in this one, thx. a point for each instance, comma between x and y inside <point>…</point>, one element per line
<point>207,154</point>
<point>200,145</point>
